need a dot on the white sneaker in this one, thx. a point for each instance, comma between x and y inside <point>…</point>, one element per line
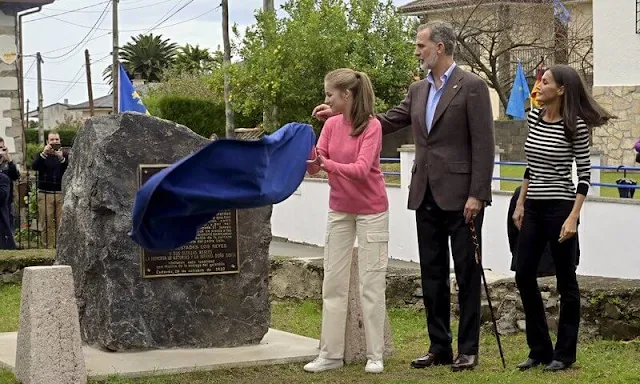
<point>321,364</point>
<point>374,366</point>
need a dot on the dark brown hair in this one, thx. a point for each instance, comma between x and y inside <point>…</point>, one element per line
<point>363,97</point>
<point>577,102</point>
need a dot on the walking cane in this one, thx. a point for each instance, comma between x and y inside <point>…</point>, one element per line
<point>474,236</point>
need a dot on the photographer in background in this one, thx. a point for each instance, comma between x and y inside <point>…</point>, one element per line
<point>6,235</point>
<point>50,164</point>
<point>9,169</point>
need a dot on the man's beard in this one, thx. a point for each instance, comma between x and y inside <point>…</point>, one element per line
<point>429,63</point>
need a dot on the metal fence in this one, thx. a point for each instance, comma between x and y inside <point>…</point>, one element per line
<point>35,214</point>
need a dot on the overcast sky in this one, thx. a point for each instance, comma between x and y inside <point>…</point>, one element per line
<point>53,33</point>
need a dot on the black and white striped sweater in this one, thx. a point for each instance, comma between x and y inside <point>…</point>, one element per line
<point>550,158</point>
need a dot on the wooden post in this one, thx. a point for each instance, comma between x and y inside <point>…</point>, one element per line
<point>40,101</point>
<point>228,110</point>
<point>115,70</point>
<point>89,86</point>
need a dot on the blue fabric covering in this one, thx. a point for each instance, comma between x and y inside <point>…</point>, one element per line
<point>173,204</point>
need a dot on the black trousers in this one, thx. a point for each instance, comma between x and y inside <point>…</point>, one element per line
<point>543,220</point>
<point>435,226</point>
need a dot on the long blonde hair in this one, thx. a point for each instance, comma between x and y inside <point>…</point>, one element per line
<point>364,98</point>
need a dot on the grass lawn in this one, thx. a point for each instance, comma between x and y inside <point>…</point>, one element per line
<point>598,362</point>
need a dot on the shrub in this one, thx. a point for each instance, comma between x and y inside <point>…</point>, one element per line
<point>201,116</point>
<point>33,150</point>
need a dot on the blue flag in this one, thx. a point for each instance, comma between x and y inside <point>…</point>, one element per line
<point>129,100</point>
<point>519,95</point>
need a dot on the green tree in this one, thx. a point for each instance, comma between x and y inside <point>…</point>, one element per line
<point>197,60</point>
<point>147,56</point>
<point>284,60</point>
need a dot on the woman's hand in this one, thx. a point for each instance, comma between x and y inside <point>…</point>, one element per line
<point>569,228</point>
<point>518,215</point>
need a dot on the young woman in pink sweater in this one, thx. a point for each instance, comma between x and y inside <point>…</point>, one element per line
<point>349,151</point>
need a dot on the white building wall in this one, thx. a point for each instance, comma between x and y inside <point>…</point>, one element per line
<point>616,45</point>
<point>608,230</point>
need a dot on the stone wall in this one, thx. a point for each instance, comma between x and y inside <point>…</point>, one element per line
<point>393,141</point>
<point>617,140</point>
<point>610,307</point>
<point>10,123</point>
<point>510,136</point>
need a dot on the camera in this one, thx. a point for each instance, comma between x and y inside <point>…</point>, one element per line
<point>56,146</point>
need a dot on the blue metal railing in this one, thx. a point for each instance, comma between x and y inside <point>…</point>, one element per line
<point>622,168</point>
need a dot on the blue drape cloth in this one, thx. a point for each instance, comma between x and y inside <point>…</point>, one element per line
<point>171,207</point>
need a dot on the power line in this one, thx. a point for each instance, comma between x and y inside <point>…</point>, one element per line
<point>140,30</point>
<point>73,45</point>
<point>66,82</point>
<point>99,21</point>
<point>170,16</point>
<point>76,78</point>
<point>65,12</point>
<point>122,9</point>
<point>30,67</point>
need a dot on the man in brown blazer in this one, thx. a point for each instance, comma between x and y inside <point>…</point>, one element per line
<point>451,118</point>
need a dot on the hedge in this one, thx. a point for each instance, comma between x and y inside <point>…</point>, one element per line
<point>204,117</point>
<point>11,261</point>
<point>66,136</point>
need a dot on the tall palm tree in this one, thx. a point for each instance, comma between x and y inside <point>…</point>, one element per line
<point>196,60</point>
<point>146,56</point>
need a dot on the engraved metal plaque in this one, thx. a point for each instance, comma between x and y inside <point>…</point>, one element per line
<point>213,252</point>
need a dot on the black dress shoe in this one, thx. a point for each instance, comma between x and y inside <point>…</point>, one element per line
<point>431,359</point>
<point>464,362</point>
<point>556,365</point>
<point>529,363</point>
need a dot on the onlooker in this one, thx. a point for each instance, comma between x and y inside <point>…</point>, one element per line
<point>8,168</point>
<point>50,164</point>
<point>6,234</point>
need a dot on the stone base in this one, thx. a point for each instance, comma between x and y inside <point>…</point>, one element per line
<point>355,343</point>
<point>277,347</point>
<point>48,342</point>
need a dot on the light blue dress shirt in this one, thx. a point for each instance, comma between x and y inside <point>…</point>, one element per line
<point>435,94</point>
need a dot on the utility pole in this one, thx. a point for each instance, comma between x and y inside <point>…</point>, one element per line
<point>228,111</point>
<point>24,138</point>
<point>87,65</point>
<point>115,70</point>
<point>40,101</point>
<point>270,109</point>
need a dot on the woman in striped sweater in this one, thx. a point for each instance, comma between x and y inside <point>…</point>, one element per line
<point>549,206</point>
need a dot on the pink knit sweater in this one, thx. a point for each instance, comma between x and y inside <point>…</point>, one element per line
<point>353,165</point>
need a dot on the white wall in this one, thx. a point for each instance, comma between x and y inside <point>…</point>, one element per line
<point>7,82</point>
<point>616,45</point>
<point>608,230</point>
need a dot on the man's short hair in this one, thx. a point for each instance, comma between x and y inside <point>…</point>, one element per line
<point>441,32</point>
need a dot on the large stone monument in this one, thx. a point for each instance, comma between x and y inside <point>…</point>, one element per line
<point>212,292</point>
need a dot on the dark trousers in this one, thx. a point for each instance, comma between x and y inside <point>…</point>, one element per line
<point>543,220</point>
<point>435,226</point>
